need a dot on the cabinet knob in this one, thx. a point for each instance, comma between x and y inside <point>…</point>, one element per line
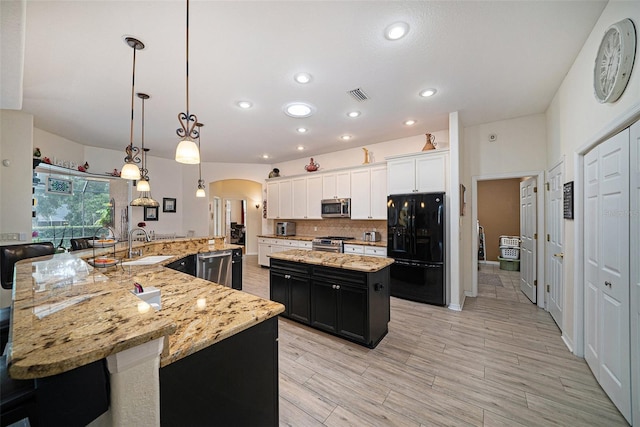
<point>287,276</point>
<point>337,286</point>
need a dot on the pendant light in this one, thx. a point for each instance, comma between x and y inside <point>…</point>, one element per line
<point>187,150</point>
<point>145,198</point>
<point>130,170</point>
<point>143,182</point>
<point>200,192</point>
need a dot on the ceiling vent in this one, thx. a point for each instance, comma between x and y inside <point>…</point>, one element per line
<point>358,94</point>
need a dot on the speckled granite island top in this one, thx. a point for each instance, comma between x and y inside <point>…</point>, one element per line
<point>67,314</point>
<point>337,260</point>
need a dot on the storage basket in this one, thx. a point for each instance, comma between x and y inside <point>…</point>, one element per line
<point>509,264</point>
<point>511,241</point>
<point>509,252</point>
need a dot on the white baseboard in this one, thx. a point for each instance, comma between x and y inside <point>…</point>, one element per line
<point>567,342</point>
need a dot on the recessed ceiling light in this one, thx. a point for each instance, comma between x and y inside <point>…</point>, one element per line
<point>396,30</point>
<point>244,104</point>
<point>298,109</point>
<point>300,148</point>
<point>353,113</point>
<point>346,137</point>
<point>302,130</point>
<point>265,156</point>
<point>428,92</point>
<point>302,78</point>
<point>410,122</point>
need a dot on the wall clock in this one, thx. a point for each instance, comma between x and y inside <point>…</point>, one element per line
<point>614,61</point>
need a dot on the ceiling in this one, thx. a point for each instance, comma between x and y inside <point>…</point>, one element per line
<point>489,60</point>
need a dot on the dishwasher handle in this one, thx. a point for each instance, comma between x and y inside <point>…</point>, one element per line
<point>214,255</point>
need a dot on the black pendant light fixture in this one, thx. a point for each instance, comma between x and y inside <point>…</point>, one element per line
<point>143,186</point>
<point>130,169</point>
<point>187,151</point>
<point>200,192</point>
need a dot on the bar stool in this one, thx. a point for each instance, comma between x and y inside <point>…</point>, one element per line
<point>17,397</point>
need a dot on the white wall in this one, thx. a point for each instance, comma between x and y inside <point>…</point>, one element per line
<point>576,118</point>
<point>16,133</point>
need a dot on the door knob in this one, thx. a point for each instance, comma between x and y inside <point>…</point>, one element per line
<point>560,255</point>
<point>607,284</point>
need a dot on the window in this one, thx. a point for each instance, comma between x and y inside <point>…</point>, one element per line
<point>69,206</point>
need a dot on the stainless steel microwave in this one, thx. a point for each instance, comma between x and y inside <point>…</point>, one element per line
<point>336,208</point>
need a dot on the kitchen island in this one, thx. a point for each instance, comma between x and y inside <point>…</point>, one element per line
<point>67,314</point>
<point>343,294</point>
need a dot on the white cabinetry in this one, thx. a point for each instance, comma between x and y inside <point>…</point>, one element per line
<point>336,185</point>
<point>306,194</point>
<point>369,193</point>
<point>279,198</point>
<point>424,172</point>
<point>377,251</point>
<point>268,246</point>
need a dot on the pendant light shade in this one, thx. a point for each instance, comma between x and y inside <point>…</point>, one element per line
<point>201,192</point>
<point>187,152</point>
<point>143,185</point>
<point>130,170</point>
<point>145,199</point>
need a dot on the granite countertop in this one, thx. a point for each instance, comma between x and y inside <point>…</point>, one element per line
<point>310,238</point>
<point>67,314</point>
<point>338,260</point>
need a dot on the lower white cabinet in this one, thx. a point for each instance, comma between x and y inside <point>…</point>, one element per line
<point>269,245</point>
<point>379,251</point>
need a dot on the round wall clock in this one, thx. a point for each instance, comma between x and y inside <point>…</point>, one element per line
<point>614,61</point>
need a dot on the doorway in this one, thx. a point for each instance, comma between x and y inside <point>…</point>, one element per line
<point>539,221</point>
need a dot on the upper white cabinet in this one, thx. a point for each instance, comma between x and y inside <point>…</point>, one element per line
<point>336,185</point>
<point>424,172</point>
<point>369,193</point>
<point>279,198</point>
<point>306,193</point>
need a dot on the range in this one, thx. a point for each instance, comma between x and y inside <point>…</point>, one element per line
<point>329,243</point>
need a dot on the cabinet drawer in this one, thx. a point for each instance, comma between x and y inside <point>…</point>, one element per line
<point>304,244</point>
<point>290,267</point>
<point>268,241</point>
<point>339,275</point>
<point>354,249</point>
<point>289,243</point>
<point>375,251</point>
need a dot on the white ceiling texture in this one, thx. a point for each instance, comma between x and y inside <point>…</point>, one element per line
<point>489,60</point>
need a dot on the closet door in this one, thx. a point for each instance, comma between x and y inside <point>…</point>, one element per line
<point>607,268</point>
<point>634,202</point>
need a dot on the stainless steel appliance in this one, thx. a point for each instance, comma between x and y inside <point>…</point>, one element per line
<point>371,236</point>
<point>285,228</point>
<point>215,267</point>
<point>416,241</point>
<point>329,243</point>
<point>336,208</point>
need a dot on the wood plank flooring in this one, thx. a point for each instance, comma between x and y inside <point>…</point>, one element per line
<point>499,362</point>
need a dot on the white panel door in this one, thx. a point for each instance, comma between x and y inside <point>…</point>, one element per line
<point>634,205</point>
<point>285,205</point>
<point>360,194</point>
<point>528,223</point>
<point>592,261</point>
<point>273,200</point>
<point>555,247</point>
<point>401,176</point>
<point>430,174</point>
<point>607,272</point>
<point>299,198</point>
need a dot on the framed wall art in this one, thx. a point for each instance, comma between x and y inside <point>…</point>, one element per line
<point>168,204</point>
<point>150,213</point>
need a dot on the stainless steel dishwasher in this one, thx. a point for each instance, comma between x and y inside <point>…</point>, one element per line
<point>215,267</point>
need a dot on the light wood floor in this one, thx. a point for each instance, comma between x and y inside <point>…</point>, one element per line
<point>499,362</point>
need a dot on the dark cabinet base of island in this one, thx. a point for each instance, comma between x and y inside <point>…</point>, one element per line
<point>231,383</point>
<point>347,303</point>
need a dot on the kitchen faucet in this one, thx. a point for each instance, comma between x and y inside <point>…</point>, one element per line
<point>139,251</point>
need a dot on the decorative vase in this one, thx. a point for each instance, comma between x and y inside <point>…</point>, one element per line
<point>430,142</point>
<point>312,166</point>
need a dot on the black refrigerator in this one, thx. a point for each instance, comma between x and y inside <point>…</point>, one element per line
<point>416,240</point>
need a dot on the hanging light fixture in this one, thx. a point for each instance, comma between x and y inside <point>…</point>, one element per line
<point>200,192</point>
<point>130,170</point>
<point>143,186</point>
<point>143,182</point>
<point>187,150</point>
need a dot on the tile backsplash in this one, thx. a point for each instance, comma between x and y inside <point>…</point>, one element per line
<point>339,227</point>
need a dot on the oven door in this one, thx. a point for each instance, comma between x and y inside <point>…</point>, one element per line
<point>418,282</point>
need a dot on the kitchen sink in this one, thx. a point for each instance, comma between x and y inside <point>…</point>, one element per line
<point>148,260</point>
